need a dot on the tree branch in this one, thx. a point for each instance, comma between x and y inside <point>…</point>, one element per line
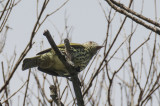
<point>54,95</point>
<point>27,48</point>
<point>135,13</point>
<point>72,70</point>
<point>154,29</point>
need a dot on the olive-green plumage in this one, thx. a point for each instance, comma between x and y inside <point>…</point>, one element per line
<point>47,60</point>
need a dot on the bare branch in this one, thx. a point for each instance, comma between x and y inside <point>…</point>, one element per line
<point>54,95</point>
<point>135,13</point>
<point>70,68</point>
<point>14,93</point>
<point>26,87</point>
<point>154,29</point>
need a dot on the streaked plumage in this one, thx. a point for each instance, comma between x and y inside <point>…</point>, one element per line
<point>47,60</point>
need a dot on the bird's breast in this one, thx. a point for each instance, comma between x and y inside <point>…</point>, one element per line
<point>81,58</point>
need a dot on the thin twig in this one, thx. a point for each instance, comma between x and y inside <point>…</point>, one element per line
<point>54,95</point>
<point>14,93</point>
<point>154,29</point>
<point>135,13</point>
<point>26,50</point>
<point>25,95</point>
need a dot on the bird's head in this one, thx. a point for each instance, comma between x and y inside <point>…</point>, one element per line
<point>92,47</point>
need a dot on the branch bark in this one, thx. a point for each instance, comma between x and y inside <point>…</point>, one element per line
<point>72,70</point>
<point>135,13</point>
<point>54,95</point>
<point>122,11</point>
<point>27,48</point>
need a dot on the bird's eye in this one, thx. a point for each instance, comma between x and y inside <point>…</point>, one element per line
<point>90,42</point>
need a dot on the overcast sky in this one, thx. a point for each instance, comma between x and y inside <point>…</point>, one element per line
<point>85,17</point>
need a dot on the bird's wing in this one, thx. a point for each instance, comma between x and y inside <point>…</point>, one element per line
<point>75,45</point>
<point>44,51</point>
<point>50,72</point>
<point>72,45</point>
<point>53,72</point>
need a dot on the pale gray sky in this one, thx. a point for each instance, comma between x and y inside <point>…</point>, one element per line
<point>88,24</point>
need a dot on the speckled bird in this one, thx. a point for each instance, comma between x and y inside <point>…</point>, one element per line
<point>47,60</point>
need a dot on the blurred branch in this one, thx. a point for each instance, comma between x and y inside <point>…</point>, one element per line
<point>151,63</point>
<point>3,39</point>
<point>5,14</point>
<point>154,29</point>
<point>4,79</point>
<point>41,90</point>
<point>111,80</point>
<point>152,90</point>
<point>108,51</point>
<point>54,95</point>
<point>135,13</point>
<point>27,48</point>
<point>4,9</point>
<point>14,93</point>
<point>37,22</point>
<point>52,13</point>
<point>70,68</point>
<point>11,7</point>
<point>25,94</point>
<point>15,67</point>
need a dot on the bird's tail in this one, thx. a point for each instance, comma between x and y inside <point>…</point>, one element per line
<point>30,62</point>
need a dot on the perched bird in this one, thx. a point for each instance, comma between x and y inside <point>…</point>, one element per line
<point>47,60</point>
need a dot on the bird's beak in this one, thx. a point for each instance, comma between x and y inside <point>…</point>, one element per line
<point>99,47</point>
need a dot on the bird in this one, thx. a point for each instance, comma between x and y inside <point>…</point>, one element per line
<point>47,61</point>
